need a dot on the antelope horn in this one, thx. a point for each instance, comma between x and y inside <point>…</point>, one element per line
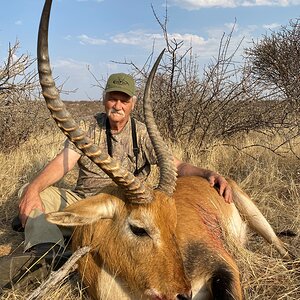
<point>135,190</point>
<point>168,175</point>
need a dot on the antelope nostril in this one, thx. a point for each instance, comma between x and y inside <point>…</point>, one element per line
<point>184,297</point>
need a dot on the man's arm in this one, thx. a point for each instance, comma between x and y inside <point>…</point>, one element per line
<point>52,173</point>
<point>215,179</point>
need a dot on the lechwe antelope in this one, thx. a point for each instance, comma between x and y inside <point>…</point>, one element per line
<point>166,243</point>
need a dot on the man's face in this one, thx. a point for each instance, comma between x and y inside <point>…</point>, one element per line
<point>118,106</point>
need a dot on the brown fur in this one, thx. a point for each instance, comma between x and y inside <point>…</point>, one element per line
<point>184,247</point>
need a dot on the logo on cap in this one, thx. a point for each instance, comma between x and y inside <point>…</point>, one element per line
<point>120,81</point>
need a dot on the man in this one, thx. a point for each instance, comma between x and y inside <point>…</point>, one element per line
<point>112,131</point>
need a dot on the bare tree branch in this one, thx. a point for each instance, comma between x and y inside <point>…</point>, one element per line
<point>57,276</point>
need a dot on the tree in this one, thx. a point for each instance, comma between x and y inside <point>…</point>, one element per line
<point>18,89</point>
<point>275,60</point>
<point>206,108</point>
<point>209,107</point>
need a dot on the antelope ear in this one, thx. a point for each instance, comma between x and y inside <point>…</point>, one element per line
<point>84,212</point>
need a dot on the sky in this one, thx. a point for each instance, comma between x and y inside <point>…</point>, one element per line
<point>88,37</point>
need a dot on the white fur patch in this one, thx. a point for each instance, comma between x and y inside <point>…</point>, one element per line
<point>110,288</point>
<point>200,290</point>
<point>237,227</point>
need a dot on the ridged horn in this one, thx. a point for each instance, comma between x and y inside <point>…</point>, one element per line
<point>135,190</point>
<point>168,175</point>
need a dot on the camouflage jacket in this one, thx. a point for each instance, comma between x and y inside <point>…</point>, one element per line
<point>91,178</point>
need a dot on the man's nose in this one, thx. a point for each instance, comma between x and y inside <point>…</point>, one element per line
<point>118,105</point>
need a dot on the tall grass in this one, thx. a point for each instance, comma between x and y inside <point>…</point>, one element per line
<point>271,180</point>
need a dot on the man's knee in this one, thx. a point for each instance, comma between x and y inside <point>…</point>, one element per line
<point>53,199</point>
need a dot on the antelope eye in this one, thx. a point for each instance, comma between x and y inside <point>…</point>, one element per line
<point>138,231</point>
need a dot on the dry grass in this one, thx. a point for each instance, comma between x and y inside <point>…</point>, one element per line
<point>71,288</point>
<point>272,181</point>
<point>17,168</point>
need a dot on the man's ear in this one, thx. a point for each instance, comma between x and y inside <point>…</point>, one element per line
<point>104,97</point>
<point>134,99</point>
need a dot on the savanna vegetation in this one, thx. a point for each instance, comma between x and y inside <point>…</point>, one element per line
<point>240,119</point>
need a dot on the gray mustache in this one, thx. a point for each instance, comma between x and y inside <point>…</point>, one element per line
<point>114,111</point>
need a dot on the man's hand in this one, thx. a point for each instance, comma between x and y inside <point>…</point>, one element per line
<point>214,179</point>
<point>220,182</point>
<point>29,201</point>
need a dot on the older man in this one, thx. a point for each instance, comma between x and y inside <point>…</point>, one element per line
<point>123,138</point>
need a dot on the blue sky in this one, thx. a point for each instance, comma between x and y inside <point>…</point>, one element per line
<point>94,33</point>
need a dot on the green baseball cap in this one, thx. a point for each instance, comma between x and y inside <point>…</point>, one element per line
<point>121,82</point>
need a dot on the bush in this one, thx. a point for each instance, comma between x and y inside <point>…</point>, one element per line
<point>19,112</point>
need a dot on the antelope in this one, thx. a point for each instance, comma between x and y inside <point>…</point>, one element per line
<point>161,243</point>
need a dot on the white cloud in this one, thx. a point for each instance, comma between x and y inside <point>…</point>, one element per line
<point>271,26</point>
<point>193,39</point>
<point>70,64</point>
<point>205,48</point>
<point>265,3</point>
<point>18,22</point>
<point>146,40</point>
<point>197,4</point>
<point>88,0</point>
<point>86,40</point>
<point>137,37</point>
<point>68,37</point>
